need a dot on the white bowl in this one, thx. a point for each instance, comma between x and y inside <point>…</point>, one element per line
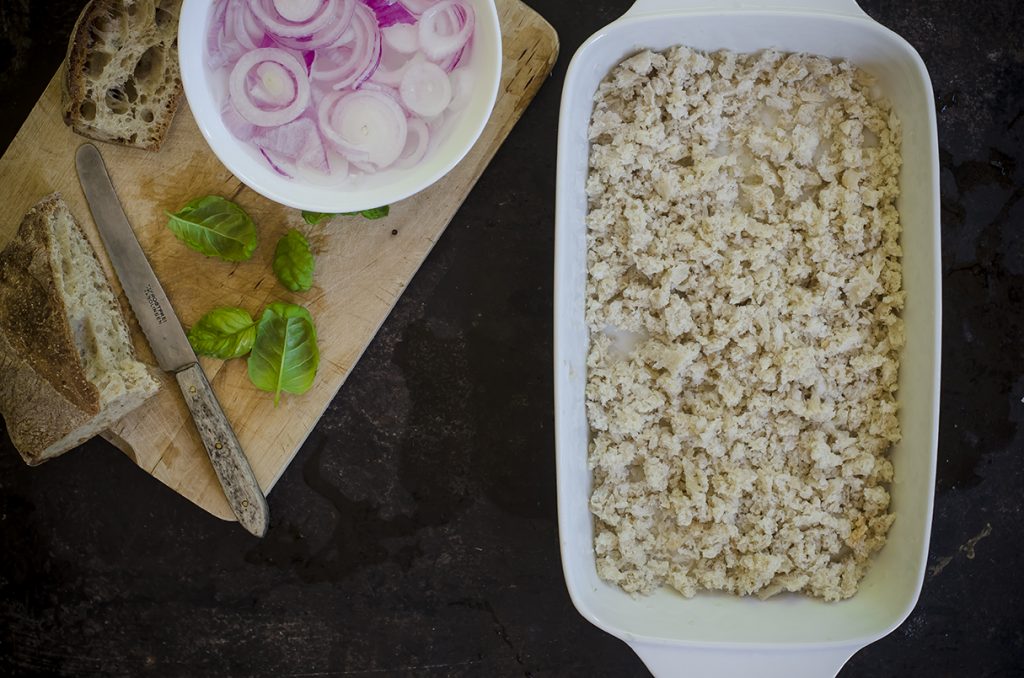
<point>714,634</point>
<point>359,193</point>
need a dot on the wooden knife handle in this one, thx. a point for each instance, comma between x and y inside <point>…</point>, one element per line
<point>229,461</point>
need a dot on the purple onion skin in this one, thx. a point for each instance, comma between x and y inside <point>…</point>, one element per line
<point>274,165</point>
<point>390,12</point>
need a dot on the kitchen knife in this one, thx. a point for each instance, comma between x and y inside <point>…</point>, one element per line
<point>169,343</point>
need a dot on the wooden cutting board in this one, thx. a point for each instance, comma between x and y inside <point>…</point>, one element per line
<point>362,266</point>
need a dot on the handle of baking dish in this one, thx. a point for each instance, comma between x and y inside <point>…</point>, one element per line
<point>842,7</point>
<point>666,661</point>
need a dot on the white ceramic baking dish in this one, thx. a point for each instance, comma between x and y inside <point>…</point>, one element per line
<point>720,635</point>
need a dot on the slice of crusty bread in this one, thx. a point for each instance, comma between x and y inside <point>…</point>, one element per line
<point>67,366</point>
<point>121,81</point>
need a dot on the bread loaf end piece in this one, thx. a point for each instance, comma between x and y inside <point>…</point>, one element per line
<point>121,81</point>
<point>67,366</point>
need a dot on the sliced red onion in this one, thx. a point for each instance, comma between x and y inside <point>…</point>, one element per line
<point>238,30</point>
<point>272,19</point>
<point>305,58</point>
<point>413,154</point>
<point>240,128</point>
<point>381,87</point>
<point>386,90</point>
<point>462,88</point>
<point>330,34</point>
<point>425,89</point>
<point>275,163</point>
<point>450,62</point>
<point>445,28</point>
<point>364,167</point>
<point>393,66</point>
<point>340,167</point>
<point>235,32</point>
<point>346,37</point>
<point>390,12</point>
<point>418,7</point>
<point>271,85</point>
<point>349,64</point>
<point>314,155</point>
<point>250,99</point>
<point>437,125</point>
<point>215,38</point>
<point>403,38</point>
<point>245,29</point>
<point>365,125</point>
<point>248,24</point>
<point>309,43</point>
<point>372,79</point>
<point>297,11</point>
<point>298,142</point>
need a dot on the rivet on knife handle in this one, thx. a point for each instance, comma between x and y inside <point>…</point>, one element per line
<point>229,461</point>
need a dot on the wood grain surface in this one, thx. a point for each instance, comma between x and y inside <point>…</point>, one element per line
<point>362,266</point>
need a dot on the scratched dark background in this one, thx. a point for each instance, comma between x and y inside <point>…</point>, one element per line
<point>415,533</point>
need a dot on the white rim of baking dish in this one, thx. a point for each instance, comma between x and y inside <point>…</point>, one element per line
<point>665,656</point>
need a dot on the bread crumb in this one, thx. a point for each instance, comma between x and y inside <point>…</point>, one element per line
<point>742,224</point>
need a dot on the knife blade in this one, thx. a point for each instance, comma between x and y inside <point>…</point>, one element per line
<point>170,345</point>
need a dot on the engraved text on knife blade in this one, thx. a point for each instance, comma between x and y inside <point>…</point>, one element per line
<point>154,305</point>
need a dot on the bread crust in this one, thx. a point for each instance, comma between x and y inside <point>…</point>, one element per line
<point>32,308</point>
<point>74,82</point>
<point>44,392</point>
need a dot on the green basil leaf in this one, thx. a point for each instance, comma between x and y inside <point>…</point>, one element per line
<point>224,333</point>
<point>215,227</point>
<point>285,356</point>
<point>314,218</point>
<point>376,212</point>
<point>293,261</point>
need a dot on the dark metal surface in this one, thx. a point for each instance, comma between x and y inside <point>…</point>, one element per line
<point>414,534</point>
